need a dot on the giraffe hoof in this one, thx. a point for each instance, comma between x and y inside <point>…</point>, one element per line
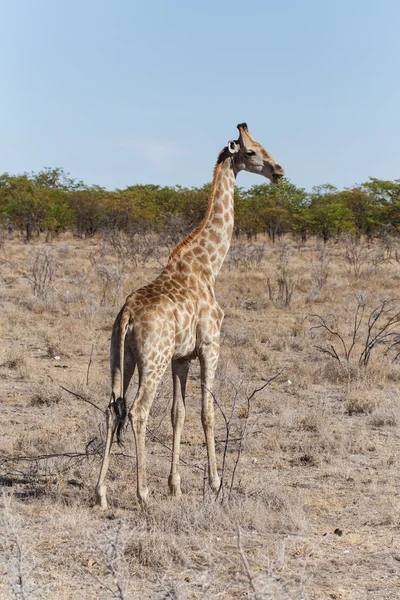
<point>143,496</point>
<point>174,484</point>
<point>101,499</point>
<point>215,483</point>
<point>175,491</point>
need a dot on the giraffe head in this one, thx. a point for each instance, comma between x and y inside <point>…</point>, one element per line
<point>249,155</point>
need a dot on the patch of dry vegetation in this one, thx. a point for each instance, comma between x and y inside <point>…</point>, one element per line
<point>310,504</point>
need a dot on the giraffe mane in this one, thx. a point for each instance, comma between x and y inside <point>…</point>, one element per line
<point>196,232</point>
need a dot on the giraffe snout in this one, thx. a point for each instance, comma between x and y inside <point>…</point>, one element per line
<point>277,174</point>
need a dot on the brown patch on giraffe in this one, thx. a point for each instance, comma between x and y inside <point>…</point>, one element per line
<point>180,297</point>
<point>218,222</point>
<point>226,201</point>
<point>139,294</point>
<point>223,248</point>
<point>224,184</point>
<point>214,312</point>
<point>185,320</point>
<point>192,281</point>
<point>215,237</point>
<point>173,286</point>
<point>153,355</point>
<point>200,253</point>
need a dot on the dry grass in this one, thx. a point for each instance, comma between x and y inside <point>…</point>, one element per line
<point>311,510</point>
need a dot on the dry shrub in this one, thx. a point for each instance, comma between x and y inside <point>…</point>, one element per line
<point>169,532</point>
<point>363,332</point>
<point>46,392</point>
<point>41,273</point>
<point>35,442</point>
<point>281,292</point>
<point>360,400</point>
<point>243,411</point>
<point>364,258</point>
<point>19,361</point>
<point>54,345</point>
<point>19,565</point>
<point>266,506</point>
<point>157,549</point>
<point>245,256</point>
<point>320,272</point>
<point>384,417</point>
<point>14,360</point>
<point>3,236</point>
<point>64,252</point>
<point>236,335</point>
<point>333,372</point>
<point>134,246</point>
<point>110,275</point>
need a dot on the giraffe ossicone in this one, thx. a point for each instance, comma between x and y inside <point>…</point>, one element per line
<point>177,318</point>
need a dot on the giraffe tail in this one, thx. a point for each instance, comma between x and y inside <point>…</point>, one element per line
<point>120,412</point>
<point>120,408</point>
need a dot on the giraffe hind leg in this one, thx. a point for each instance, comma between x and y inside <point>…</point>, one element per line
<point>180,369</point>
<point>138,416</point>
<point>115,418</point>
<point>101,489</point>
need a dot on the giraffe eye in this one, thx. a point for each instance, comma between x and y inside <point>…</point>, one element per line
<point>250,152</point>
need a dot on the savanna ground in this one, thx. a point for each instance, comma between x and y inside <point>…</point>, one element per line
<point>310,506</point>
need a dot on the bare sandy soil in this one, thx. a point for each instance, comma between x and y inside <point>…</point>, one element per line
<point>310,506</point>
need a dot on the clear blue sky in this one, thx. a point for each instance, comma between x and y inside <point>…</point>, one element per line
<point>123,92</point>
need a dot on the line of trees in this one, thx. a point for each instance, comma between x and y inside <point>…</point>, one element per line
<point>51,201</point>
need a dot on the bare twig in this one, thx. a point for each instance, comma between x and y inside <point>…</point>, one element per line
<point>156,439</point>
<point>113,549</point>
<point>228,427</point>
<point>80,397</point>
<point>227,437</point>
<point>249,399</point>
<point>7,459</point>
<point>246,563</point>
<point>18,555</point>
<point>89,365</point>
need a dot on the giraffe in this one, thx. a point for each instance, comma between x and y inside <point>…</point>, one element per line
<point>177,318</point>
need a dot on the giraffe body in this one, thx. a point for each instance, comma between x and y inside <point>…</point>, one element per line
<point>175,319</point>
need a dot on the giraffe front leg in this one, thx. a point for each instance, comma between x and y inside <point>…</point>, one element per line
<point>180,369</point>
<point>208,355</point>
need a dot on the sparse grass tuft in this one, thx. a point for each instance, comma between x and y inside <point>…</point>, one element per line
<point>46,392</point>
<point>384,417</point>
<point>360,401</point>
<point>19,361</point>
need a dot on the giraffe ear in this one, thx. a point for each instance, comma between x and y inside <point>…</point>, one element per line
<point>233,147</point>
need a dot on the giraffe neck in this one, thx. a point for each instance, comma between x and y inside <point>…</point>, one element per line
<point>209,243</point>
